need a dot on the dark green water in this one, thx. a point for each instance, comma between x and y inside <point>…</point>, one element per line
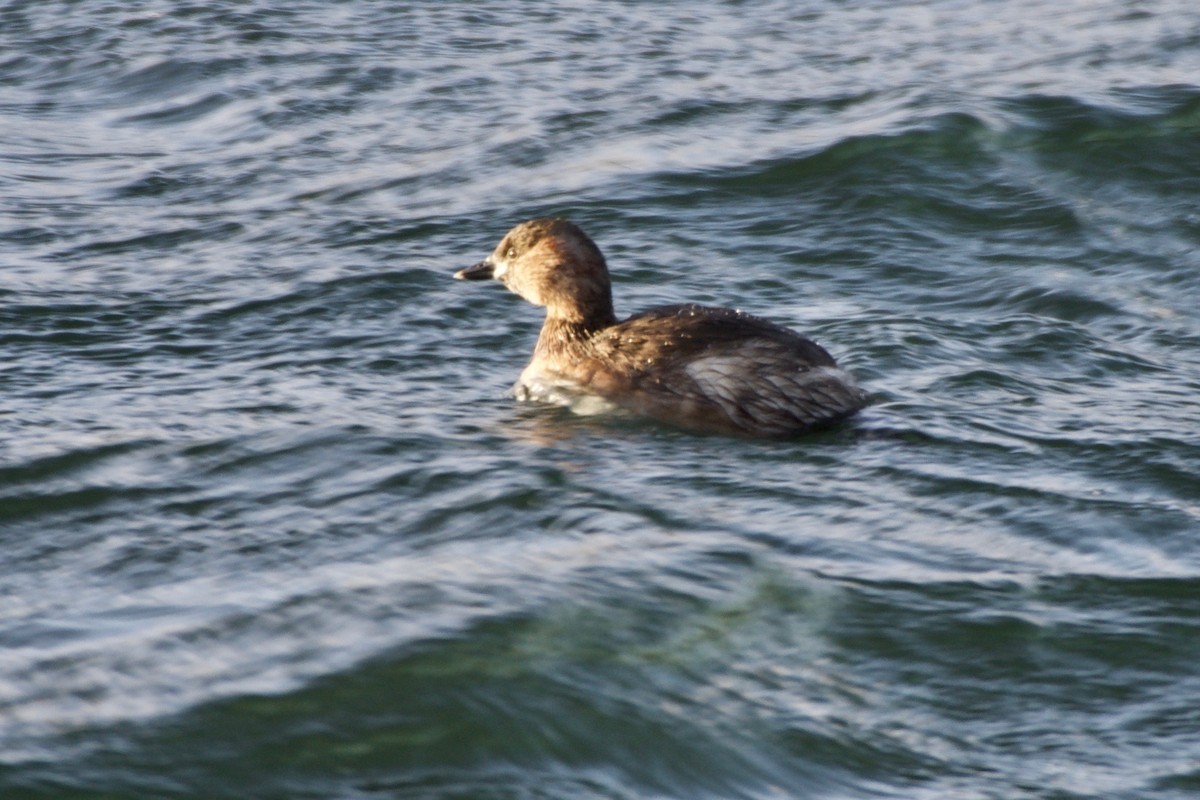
<point>271,526</point>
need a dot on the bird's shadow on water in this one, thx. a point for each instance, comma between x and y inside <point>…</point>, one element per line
<point>551,426</point>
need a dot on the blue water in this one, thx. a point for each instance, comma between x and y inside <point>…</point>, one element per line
<point>272,526</point>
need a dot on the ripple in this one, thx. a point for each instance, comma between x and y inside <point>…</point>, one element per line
<point>274,525</point>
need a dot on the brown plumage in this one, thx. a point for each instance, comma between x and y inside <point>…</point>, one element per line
<point>708,369</point>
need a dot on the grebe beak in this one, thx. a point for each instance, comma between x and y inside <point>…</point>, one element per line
<point>477,272</point>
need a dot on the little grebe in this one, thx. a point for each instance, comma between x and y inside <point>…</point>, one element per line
<point>707,369</point>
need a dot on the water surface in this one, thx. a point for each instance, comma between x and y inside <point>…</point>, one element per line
<point>273,526</point>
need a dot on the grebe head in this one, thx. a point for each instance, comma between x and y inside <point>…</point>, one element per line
<point>550,262</point>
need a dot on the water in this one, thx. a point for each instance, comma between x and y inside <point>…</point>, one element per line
<point>272,528</point>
